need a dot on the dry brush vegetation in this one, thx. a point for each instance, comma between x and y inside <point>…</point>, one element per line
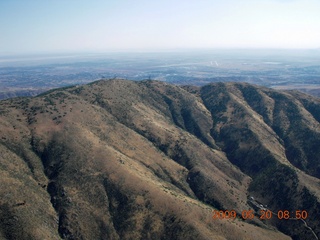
<point>120,159</point>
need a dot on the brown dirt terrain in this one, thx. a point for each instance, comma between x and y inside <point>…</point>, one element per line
<point>118,159</point>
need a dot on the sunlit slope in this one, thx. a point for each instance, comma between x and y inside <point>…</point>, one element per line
<point>147,160</point>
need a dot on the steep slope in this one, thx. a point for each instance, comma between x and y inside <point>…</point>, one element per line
<point>269,135</point>
<point>147,160</point>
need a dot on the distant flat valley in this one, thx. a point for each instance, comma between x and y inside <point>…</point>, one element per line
<point>30,75</point>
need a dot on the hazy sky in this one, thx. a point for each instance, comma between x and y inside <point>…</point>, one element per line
<point>112,25</point>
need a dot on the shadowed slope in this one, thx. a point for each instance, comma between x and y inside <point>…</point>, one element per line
<point>147,160</point>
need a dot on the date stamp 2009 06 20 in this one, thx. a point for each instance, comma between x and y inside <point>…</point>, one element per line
<point>263,214</point>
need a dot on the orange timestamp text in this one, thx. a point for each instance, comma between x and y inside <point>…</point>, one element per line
<point>263,214</point>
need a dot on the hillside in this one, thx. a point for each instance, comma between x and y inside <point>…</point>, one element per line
<point>119,159</point>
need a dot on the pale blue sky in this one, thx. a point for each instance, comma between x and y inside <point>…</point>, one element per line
<point>112,25</point>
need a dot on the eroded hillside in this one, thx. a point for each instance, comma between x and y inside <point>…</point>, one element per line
<point>120,159</point>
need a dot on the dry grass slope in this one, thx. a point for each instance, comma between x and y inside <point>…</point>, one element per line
<point>120,159</point>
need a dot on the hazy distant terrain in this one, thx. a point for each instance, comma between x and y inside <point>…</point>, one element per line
<point>284,69</point>
<point>124,159</point>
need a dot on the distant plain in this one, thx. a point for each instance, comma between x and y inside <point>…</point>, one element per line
<point>29,75</point>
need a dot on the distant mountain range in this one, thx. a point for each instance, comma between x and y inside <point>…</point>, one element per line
<point>118,159</point>
<point>5,94</point>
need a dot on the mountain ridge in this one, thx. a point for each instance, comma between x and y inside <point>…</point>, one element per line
<point>95,158</point>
